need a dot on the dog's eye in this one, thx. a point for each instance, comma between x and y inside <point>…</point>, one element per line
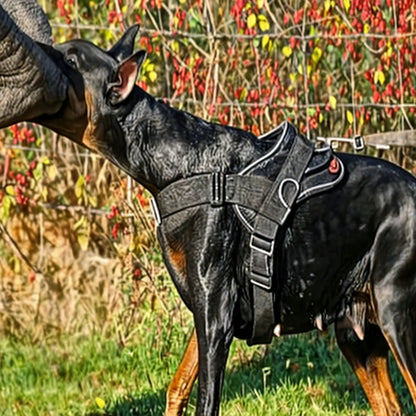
<point>71,60</point>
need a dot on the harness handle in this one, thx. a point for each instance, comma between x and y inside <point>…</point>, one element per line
<point>357,141</point>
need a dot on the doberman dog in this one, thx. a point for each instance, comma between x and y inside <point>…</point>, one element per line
<point>345,256</point>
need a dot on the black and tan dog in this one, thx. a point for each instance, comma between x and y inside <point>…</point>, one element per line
<point>346,256</point>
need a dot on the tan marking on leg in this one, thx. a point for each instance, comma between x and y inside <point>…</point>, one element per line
<point>405,372</point>
<point>378,369</point>
<point>375,380</point>
<point>181,385</point>
<point>372,392</point>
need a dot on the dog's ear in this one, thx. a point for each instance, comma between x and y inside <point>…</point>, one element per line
<point>127,73</point>
<point>125,45</point>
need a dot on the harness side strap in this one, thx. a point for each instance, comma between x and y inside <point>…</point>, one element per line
<point>272,214</point>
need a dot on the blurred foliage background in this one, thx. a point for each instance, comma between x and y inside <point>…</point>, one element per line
<point>77,245</point>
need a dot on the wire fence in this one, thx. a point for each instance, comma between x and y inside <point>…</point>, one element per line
<point>333,68</point>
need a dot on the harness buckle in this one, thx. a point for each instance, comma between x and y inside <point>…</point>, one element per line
<point>260,273</point>
<point>262,244</point>
<point>217,189</point>
<point>358,143</point>
<point>264,282</point>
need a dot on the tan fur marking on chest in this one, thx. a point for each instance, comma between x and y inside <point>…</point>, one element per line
<point>177,258</point>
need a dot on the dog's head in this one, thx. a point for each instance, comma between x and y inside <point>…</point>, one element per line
<point>109,78</point>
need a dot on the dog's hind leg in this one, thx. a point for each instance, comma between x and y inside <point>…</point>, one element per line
<point>181,386</point>
<point>393,286</point>
<point>369,360</point>
<point>398,323</point>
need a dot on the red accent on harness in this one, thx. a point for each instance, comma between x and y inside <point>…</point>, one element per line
<point>334,166</point>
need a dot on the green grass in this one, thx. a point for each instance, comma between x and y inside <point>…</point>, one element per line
<point>298,375</point>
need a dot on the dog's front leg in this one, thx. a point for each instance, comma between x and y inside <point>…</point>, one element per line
<point>213,321</point>
<point>199,248</point>
<point>214,296</point>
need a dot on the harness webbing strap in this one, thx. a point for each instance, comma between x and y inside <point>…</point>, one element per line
<point>214,189</point>
<point>271,215</point>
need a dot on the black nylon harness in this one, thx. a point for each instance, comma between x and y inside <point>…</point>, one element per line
<point>272,201</point>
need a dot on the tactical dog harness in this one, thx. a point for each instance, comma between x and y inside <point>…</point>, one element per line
<point>262,200</point>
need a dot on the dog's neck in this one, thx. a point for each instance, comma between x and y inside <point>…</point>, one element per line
<point>157,144</point>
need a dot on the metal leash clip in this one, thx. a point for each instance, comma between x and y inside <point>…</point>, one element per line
<point>357,141</point>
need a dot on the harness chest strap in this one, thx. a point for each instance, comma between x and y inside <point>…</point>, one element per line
<point>213,189</point>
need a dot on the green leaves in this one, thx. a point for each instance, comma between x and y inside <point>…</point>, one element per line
<point>40,166</point>
<point>82,192</point>
<point>7,203</point>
